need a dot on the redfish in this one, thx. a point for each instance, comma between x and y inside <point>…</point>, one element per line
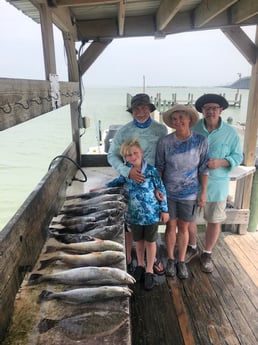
<point>95,245</point>
<point>87,295</point>
<point>106,258</point>
<point>85,276</point>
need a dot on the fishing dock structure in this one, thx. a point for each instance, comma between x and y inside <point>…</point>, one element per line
<point>164,104</point>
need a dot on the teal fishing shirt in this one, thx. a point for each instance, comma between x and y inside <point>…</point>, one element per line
<point>147,137</point>
<point>224,143</point>
<point>143,206</point>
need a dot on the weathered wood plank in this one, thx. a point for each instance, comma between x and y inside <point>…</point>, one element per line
<point>22,100</point>
<point>23,237</point>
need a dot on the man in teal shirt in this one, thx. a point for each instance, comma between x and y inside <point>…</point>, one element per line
<point>225,153</point>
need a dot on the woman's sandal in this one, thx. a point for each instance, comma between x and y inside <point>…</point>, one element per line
<point>158,267</point>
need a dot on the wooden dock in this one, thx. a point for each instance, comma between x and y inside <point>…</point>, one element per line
<point>164,104</point>
<point>220,308</point>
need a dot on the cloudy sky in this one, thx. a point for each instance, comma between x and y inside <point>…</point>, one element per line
<point>190,59</point>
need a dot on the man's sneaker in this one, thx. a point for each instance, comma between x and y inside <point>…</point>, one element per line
<point>149,281</point>
<point>190,253</point>
<point>206,263</point>
<point>171,268</point>
<point>139,273</point>
<point>182,271</point>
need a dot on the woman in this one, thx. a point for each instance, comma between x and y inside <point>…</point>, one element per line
<point>181,161</point>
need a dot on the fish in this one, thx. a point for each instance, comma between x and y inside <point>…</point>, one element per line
<point>106,258</point>
<point>86,295</point>
<point>89,325</point>
<point>94,245</point>
<point>90,195</point>
<point>93,217</point>
<point>108,232</point>
<point>94,201</point>
<point>86,210</point>
<point>84,276</point>
<point>84,227</point>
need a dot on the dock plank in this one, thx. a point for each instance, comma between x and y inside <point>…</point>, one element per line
<point>209,309</point>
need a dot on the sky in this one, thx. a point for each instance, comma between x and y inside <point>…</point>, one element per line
<point>205,58</point>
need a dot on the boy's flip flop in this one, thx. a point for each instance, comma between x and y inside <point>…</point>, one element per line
<point>158,267</point>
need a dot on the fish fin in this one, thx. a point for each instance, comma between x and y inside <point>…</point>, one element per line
<point>44,295</point>
<point>34,278</point>
<point>46,324</point>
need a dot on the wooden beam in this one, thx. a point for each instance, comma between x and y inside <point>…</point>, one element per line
<point>252,114</point>
<point>64,20</point>
<point>244,10</point>
<point>243,43</point>
<point>91,54</point>
<point>66,3</point>
<point>209,9</point>
<point>167,10</point>
<point>73,73</point>
<point>22,100</point>
<point>121,17</point>
<point>48,40</point>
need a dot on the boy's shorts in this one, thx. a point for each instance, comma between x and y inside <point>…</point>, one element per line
<point>214,212</point>
<point>148,233</point>
<point>182,209</point>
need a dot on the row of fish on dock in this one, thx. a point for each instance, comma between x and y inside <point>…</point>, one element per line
<point>84,240</point>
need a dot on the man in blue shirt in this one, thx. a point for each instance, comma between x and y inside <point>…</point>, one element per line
<point>225,153</point>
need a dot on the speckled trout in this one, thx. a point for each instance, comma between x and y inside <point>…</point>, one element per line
<point>86,295</point>
<point>108,232</point>
<point>93,324</point>
<point>85,276</point>
<point>90,195</point>
<point>93,217</point>
<point>86,210</point>
<point>106,258</point>
<point>86,226</point>
<point>94,201</point>
<point>93,245</point>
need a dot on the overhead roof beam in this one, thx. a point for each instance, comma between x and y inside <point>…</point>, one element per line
<point>65,3</point>
<point>166,12</point>
<point>244,10</point>
<point>243,43</point>
<point>121,17</point>
<point>91,54</point>
<point>209,9</point>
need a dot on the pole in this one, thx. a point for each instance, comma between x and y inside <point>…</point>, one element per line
<point>253,220</point>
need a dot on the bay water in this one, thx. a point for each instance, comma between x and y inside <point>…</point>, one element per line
<point>28,149</point>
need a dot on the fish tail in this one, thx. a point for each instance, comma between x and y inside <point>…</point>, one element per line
<point>45,295</point>
<point>45,263</point>
<point>50,249</point>
<point>46,324</point>
<point>34,278</point>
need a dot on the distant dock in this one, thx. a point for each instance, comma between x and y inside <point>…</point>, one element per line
<point>164,104</point>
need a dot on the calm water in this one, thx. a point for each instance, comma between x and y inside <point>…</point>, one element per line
<point>28,149</point>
